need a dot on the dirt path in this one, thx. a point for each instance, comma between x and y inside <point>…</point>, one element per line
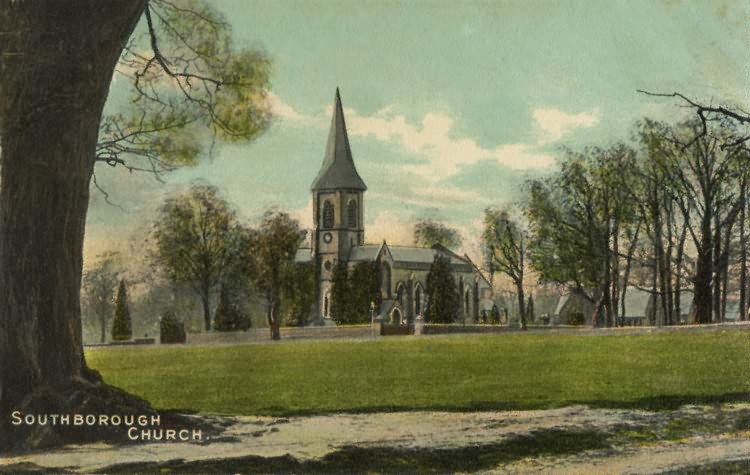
<point>705,434</point>
<point>660,458</point>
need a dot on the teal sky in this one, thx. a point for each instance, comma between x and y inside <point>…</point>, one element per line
<point>450,105</point>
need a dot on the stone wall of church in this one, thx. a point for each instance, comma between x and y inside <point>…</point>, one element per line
<point>406,299</point>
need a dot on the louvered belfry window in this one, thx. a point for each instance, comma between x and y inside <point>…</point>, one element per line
<point>327,215</point>
<point>351,213</point>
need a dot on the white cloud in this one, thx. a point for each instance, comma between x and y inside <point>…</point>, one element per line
<point>439,152</point>
<point>442,154</point>
<point>391,227</point>
<point>435,142</point>
<point>554,124</point>
<point>287,113</point>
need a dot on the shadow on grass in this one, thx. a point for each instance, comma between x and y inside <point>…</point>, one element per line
<point>354,460</point>
<point>653,403</point>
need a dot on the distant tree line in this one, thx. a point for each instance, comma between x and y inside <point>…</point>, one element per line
<point>665,213</point>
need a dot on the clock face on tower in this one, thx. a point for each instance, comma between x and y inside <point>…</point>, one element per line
<point>327,237</point>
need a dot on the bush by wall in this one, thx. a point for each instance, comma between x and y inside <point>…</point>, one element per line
<point>171,328</point>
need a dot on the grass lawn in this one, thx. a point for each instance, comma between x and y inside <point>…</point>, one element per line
<point>511,371</point>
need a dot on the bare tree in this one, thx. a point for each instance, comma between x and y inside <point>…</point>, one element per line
<point>505,244</point>
<point>99,284</point>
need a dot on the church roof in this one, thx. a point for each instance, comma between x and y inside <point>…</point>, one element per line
<point>368,252</point>
<point>404,254</point>
<point>338,170</point>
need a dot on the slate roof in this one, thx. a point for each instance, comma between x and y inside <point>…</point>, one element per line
<point>636,302</point>
<point>338,170</point>
<point>368,252</point>
<point>424,255</point>
<point>403,254</point>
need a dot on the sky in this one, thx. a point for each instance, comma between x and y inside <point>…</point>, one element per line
<point>450,105</point>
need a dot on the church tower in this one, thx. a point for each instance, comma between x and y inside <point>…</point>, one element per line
<point>338,193</point>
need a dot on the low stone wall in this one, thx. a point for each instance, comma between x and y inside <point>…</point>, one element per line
<point>392,330</point>
<point>446,329</point>
<point>287,333</point>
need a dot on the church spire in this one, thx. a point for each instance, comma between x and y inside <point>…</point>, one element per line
<point>338,170</point>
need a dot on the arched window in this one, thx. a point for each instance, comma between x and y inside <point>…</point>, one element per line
<point>401,294</point>
<point>418,300</point>
<point>467,297</point>
<point>327,215</point>
<point>326,304</point>
<point>386,280</point>
<point>396,316</point>
<point>351,214</point>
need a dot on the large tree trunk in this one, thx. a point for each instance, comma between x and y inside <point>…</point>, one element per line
<point>57,63</point>
<point>521,304</point>
<point>103,322</point>
<point>678,274</point>
<point>702,278</point>
<point>716,266</point>
<point>743,251</point>
<point>206,304</point>
<point>615,275</point>
<point>628,263</point>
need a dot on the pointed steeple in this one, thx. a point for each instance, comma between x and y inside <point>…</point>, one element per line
<point>338,170</point>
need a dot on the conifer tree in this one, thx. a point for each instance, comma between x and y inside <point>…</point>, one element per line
<point>530,309</point>
<point>340,294</point>
<point>443,300</point>
<point>121,326</point>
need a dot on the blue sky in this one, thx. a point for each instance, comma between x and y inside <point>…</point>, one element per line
<point>450,105</point>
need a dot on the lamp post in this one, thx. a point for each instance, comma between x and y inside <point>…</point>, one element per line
<point>372,319</point>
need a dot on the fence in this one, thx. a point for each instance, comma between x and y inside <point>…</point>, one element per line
<point>287,333</point>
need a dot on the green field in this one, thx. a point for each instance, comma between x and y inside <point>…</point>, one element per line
<point>511,371</point>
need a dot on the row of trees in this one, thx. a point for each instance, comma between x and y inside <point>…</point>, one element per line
<point>665,213</point>
<point>198,243</point>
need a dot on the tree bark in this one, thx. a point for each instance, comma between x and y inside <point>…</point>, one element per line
<point>57,60</point>
<point>103,336</point>
<point>206,304</point>
<point>743,251</point>
<point>716,296</point>
<point>702,278</point>
<point>678,273</point>
<point>521,305</point>
<point>628,262</point>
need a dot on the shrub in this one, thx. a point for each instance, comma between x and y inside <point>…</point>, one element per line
<point>172,330</point>
<point>576,318</point>
<point>443,300</point>
<point>121,326</point>
<point>229,316</point>
<point>495,314</point>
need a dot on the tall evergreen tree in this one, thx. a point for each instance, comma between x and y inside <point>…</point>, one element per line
<point>121,326</point>
<point>530,317</point>
<point>340,294</point>
<point>443,301</point>
<point>364,284</point>
<point>298,294</point>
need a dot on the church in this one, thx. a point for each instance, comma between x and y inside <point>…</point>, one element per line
<point>339,235</point>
